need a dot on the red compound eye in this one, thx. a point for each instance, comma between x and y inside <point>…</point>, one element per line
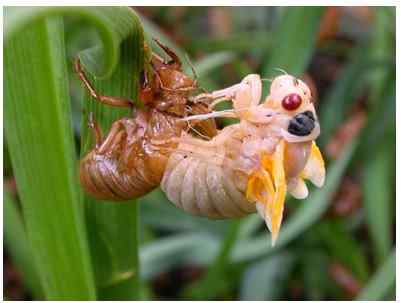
<point>291,101</point>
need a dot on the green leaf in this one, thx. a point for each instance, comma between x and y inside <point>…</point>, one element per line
<point>266,279</point>
<point>381,282</point>
<point>238,42</point>
<point>165,253</point>
<point>294,40</point>
<point>114,24</point>
<point>209,286</point>
<point>380,126</point>
<point>343,94</point>
<point>114,227</point>
<point>17,244</point>
<point>306,215</point>
<point>38,131</point>
<point>211,62</point>
<point>382,48</point>
<point>54,213</point>
<point>343,247</point>
<point>314,265</point>
<point>378,203</point>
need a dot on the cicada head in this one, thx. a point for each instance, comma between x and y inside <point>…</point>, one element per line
<point>291,101</point>
<point>291,120</point>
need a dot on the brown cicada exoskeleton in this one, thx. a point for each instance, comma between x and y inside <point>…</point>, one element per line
<point>130,161</point>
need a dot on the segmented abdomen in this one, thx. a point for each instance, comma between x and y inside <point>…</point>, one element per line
<point>204,188</point>
<point>101,177</point>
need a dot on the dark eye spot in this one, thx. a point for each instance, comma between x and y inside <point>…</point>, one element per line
<point>302,124</point>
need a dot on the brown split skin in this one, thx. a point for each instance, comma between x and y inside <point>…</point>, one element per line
<point>130,160</point>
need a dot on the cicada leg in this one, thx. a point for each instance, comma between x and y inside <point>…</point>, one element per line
<point>169,52</point>
<point>112,101</point>
<point>97,133</point>
<point>113,138</point>
<point>250,83</point>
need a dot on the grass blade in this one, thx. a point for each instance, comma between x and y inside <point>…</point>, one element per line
<point>209,286</point>
<point>343,94</point>
<point>343,247</point>
<point>17,244</point>
<point>37,111</point>
<point>286,40</point>
<point>161,255</point>
<point>378,203</point>
<point>266,279</point>
<point>381,282</point>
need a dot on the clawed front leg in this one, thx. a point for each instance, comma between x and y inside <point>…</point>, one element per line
<point>113,101</point>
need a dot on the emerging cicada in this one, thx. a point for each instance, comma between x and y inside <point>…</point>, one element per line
<point>130,161</point>
<point>249,166</point>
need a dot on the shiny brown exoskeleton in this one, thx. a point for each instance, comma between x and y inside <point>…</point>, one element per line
<point>130,161</point>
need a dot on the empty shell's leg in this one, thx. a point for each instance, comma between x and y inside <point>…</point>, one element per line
<point>169,52</point>
<point>94,126</point>
<point>113,101</point>
<point>111,139</point>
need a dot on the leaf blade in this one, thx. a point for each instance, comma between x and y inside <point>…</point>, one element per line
<point>286,40</point>
<point>17,244</point>
<point>38,112</point>
<point>381,282</point>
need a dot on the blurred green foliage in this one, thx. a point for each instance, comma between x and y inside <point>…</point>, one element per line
<point>148,248</point>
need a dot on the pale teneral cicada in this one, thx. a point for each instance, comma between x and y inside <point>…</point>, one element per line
<point>249,166</point>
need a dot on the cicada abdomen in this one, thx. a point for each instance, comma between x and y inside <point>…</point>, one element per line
<point>200,180</point>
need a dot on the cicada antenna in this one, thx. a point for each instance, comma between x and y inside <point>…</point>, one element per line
<point>192,67</point>
<point>281,70</point>
<point>267,79</point>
